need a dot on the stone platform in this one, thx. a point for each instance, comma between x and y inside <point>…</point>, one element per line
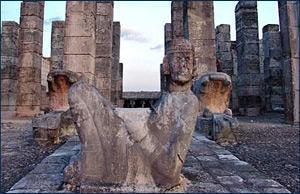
<point>208,167</point>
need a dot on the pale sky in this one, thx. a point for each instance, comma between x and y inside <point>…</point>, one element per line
<point>142,38</point>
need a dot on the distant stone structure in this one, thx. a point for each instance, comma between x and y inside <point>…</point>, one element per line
<point>104,48</point>
<point>140,99</point>
<point>9,66</point>
<point>247,47</point>
<point>273,78</point>
<point>289,30</point>
<point>57,45</point>
<point>30,58</point>
<point>79,39</point>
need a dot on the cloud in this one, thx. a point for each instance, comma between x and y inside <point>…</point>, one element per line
<point>132,35</point>
<point>157,47</point>
<point>50,20</point>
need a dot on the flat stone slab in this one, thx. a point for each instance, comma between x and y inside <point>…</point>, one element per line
<point>208,167</point>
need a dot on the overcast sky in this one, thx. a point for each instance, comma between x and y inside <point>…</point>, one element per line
<point>142,38</point>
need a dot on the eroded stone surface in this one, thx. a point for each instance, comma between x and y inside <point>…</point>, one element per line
<point>59,82</point>
<point>148,156</point>
<point>53,126</point>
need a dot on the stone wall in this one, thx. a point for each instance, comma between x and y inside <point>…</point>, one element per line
<point>79,38</point>
<point>30,58</point>
<point>104,39</point>
<point>57,45</point>
<point>9,64</point>
<point>272,68</point>
<point>247,46</point>
<point>289,29</point>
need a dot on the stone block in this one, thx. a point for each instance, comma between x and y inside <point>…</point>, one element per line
<point>79,45</point>
<point>33,60</point>
<point>104,8</point>
<point>84,63</point>
<point>103,50</point>
<point>31,48</point>
<point>79,25</point>
<point>102,83</point>
<point>103,67</point>
<point>31,22</point>
<point>57,54</point>
<point>30,36</point>
<point>33,9</point>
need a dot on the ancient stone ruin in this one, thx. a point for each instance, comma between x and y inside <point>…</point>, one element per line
<point>147,156</point>
<point>206,80</point>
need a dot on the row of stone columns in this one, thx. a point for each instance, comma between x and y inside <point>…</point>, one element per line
<point>81,44</point>
<point>251,63</point>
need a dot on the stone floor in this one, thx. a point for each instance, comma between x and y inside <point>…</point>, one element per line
<point>208,166</point>
<point>19,152</point>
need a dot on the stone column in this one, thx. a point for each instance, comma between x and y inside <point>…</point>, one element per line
<point>30,58</point>
<point>46,65</point>
<point>104,39</point>
<point>79,39</point>
<point>289,29</point>
<point>57,45</point>
<point>120,101</point>
<point>247,46</point>
<point>201,30</point>
<point>234,93</point>
<point>9,65</point>
<point>168,36</point>
<point>167,43</point>
<point>177,15</point>
<point>272,68</point>
<point>115,72</point>
<point>223,48</point>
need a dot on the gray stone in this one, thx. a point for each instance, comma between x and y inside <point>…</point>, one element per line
<point>230,180</point>
<point>43,182</point>
<point>207,188</point>
<point>52,126</point>
<point>140,158</point>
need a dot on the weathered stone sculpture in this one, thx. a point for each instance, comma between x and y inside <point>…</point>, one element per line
<point>215,119</point>
<point>59,82</point>
<point>55,125</point>
<point>122,154</point>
